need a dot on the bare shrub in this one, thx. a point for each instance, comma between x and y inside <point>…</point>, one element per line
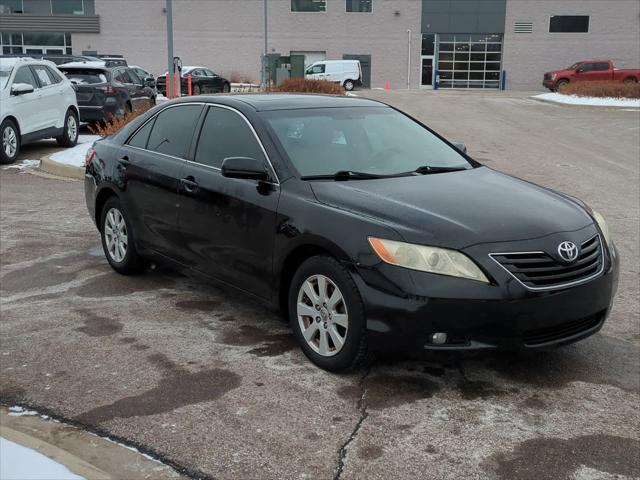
<point>602,89</point>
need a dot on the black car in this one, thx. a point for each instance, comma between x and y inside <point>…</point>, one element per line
<point>368,229</point>
<point>105,92</point>
<point>203,80</point>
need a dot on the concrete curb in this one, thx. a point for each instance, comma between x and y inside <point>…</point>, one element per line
<point>51,166</point>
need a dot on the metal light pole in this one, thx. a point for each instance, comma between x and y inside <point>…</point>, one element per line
<point>264,55</point>
<point>171,80</point>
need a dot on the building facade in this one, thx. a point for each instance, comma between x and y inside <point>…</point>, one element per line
<point>479,44</point>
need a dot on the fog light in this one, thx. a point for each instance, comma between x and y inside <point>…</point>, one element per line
<point>439,338</point>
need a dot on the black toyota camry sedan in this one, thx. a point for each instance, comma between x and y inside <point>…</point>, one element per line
<point>365,227</point>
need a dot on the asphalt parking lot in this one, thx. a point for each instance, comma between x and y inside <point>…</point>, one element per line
<point>213,384</point>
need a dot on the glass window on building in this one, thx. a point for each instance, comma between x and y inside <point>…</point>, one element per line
<point>67,7</point>
<point>47,7</point>
<point>8,7</point>
<point>569,24</point>
<point>470,61</point>
<point>35,43</point>
<point>362,6</point>
<point>308,5</point>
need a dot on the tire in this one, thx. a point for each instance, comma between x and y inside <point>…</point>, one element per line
<point>9,142</point>
<point>196,90</point>
<point>226,88</point>
<point>349,85</point>
<point>114,219</point>
<point>630,80</point>
<point>70,131</point>
<point>561,83</point>
<point>322,322</point>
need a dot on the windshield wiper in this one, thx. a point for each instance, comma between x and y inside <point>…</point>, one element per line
<point>426,169</point>
<point>345,175</point>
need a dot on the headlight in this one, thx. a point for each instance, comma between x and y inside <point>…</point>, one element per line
<point>602,223</point>
<point>553,76</point>
<point>427,259</point>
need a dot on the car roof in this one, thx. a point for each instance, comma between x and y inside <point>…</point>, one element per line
<point>287,101</point>
<point>13,61</point>
<point>95,65</point>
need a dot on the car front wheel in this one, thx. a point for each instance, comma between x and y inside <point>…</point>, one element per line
<point>118,239</point>
<point>327,315</point>
<point>349,85</point>
<point>10,142</point>
<point>71,130</point>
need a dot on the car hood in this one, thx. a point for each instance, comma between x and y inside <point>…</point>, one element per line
<point>457,209</point>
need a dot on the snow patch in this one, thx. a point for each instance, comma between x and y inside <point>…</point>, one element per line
<point>21,463</point>
<point>21,412</point>
<point>23,165</point>
<point>72,156</point>
<point>590,101</point>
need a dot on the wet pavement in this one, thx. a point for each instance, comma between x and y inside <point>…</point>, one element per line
<point>213,384</point>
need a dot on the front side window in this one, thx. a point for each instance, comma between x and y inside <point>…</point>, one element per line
<point>569,24</point>
<point>225,134</point>
<point>314,69</point>
<point>374,140</point>
<point>24,75</point>
<point>173,130</point>
<point>362,6</point>
<point>586,67</point>
<point>308,5</point>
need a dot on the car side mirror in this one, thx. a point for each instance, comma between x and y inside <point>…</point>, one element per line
<point>21,88</point>
<point>244,167</point>
<point>461,146</point>
<point>579,70</point>
<point>150,81</point>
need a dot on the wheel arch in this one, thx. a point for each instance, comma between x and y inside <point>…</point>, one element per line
<point>103,195</point>
<point>15,122</point>
<point>296,257</point>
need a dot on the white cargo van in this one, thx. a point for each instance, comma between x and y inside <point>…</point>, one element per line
<point>347,73</point>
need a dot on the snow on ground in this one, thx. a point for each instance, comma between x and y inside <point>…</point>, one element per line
<point>23,165</point>
<point>21,412</point>
<point>72,156</point>
<point>590,101</point>
<point>21,463</point>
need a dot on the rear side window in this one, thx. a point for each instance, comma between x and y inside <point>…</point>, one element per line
<point>601,67</point>
<point>55,78</point>
<point>173,130</point>
<point>122,76</point>
<point>142,136</point>
<point>43,75</point>
<point>24,75</point>
<point>225,134</point>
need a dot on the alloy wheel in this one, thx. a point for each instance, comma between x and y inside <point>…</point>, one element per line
<point>72,128</point>
<point>322,315</point>
<point>9,141</point>
<point>115,235</point>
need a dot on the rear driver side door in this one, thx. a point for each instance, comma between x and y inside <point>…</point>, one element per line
<point>228,225</point>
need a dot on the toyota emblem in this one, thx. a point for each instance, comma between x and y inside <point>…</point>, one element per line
<point>568,251</point>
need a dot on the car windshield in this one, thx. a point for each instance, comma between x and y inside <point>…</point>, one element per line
<point>5,73</point>
<point>371,140</point>
<point>85,76</point>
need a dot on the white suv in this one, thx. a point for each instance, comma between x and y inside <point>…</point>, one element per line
<point>36,101</point>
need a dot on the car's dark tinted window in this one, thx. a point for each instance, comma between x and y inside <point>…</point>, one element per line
<point>586,67</point>
<point>140,138</point>
<point>173,130</point>
<point>24,75</point>
<point>225,134</point>
<point>122,76</point>
<point>601,67</point>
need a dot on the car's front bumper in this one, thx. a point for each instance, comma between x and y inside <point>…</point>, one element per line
<point>475,315</point>
<point>548,84</point>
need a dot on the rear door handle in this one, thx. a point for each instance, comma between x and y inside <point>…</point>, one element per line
<point>124,160</point>
<point>189,183</point>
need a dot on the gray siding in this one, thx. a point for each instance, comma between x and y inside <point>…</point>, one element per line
<point>463,16</point>
<point>50,23</point>
<point>614,32</point>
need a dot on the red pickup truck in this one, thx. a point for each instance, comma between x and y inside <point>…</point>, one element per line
<point>589,71</point>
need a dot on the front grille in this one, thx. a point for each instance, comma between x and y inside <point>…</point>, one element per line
<point>565,330</point>
<point>540,271</point>
<point>547,76</point>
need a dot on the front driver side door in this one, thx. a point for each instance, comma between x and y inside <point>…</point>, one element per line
<point>227,224</point>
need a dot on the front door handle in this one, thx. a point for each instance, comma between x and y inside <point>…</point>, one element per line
<point>189,184</point>
<point>124,161</point>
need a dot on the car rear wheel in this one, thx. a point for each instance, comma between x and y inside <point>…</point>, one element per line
<point>327,315</point>
<point>630,80</point>
<point>349,85</point>
<point>10,142</point>
<point>118,239</point>
<point>71,130</point>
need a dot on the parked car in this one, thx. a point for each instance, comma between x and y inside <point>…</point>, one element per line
<point>589,71</point>
<point>114,60</point>
<point>36,102</point>
<point>203,80</point>
<point>347,73</point>
<point>104,92</point>
<point>368,229</point>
